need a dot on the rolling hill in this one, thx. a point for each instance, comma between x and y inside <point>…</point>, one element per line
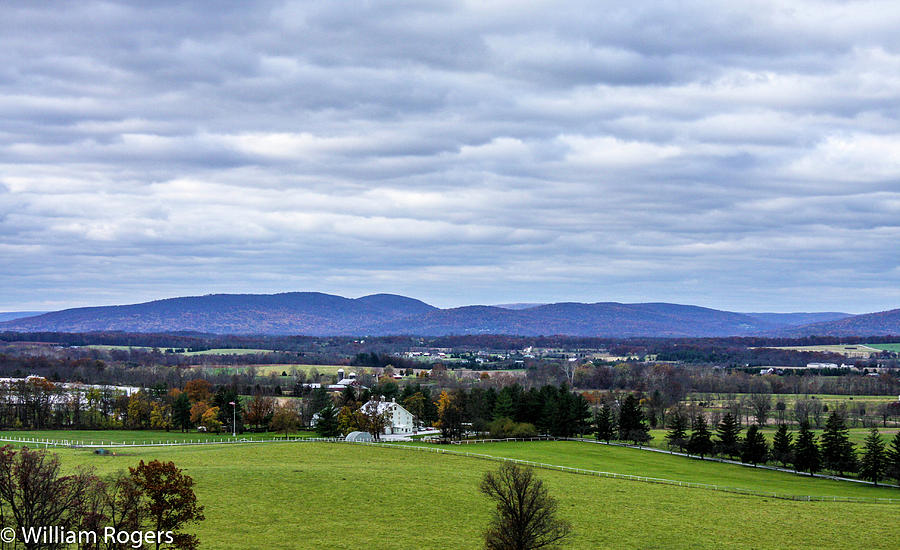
<point>882,323</point>
<point>317,314</point>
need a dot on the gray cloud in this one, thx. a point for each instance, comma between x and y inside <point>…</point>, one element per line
<point>742,157</point>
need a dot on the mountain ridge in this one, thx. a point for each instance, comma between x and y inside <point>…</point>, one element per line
<point>320,314</point>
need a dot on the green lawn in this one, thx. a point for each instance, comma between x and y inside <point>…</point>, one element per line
<point>624,460</point>
<point>319,495</point>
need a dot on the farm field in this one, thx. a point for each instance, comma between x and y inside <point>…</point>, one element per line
<point>267,370</point>
<point>720,400</point>
<point>624,460</point>
<point>216,351</point>
<point>850,350</point>
<point>895,347</point>
<point>320,495</point>
<point>228,351</point>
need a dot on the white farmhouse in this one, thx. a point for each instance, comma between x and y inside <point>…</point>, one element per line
<point>400,420</point>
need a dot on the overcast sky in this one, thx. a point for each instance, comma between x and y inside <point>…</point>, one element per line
<point>743,157</point>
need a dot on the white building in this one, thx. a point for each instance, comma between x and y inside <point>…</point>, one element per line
<point>400,420</point>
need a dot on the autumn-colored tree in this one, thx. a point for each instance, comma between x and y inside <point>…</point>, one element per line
<point>197,411</point>
<point>259,410</point>
<point>169,501</point>
<point>161,417</point>
<point>286,419</point>
<point>347,421</point>
<point>198,390</point>
<point>210,420</point>
<point>139,408</point>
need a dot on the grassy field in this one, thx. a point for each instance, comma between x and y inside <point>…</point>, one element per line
<point>266,370</point>
<point>315,495</point>
<point>624,460</point>
<point>718,400</point>
<point>886,347</point>
<point>850,350</point>
<point>100,437</point>
<point>857,435</point>
<point>228,351</point>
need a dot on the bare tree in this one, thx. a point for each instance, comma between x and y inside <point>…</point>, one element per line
<point>33,494</point>
<point>761,403</point>
<point>525,518</point>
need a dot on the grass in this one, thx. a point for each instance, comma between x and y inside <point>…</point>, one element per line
<point>850,350</point>
<point>718,400</point>
<point>857,435</point>
<point>228,351</point>
<point>100,437</point>
<point>623,460</point>
<point>315,495</point>
<point>266,370</point>
<point>886,347</point>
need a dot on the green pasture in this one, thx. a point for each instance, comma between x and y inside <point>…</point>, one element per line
<point>718,400</point>
<point>886,347</point>
<point>100,437</point>
<point>857,435</point>
<point>624,460</point>
<point>321,495</point>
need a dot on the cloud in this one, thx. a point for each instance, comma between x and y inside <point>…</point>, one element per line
<point>739,156</point>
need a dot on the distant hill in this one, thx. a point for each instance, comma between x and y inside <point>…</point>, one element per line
<point>609,319</point>
<point>10,315</point>
<point>883,323</point>
<point>317,314</point>
<point>310,313</point>
<point>798,319</point>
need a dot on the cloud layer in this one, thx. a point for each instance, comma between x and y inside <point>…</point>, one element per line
<point>743,157</point>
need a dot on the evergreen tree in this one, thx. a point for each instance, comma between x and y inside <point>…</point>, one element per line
<point>807,457</point>
<point>563,423</point>
<point>327,424</point>
<point>754,448</point>
<point>505,407</point>
<point>181,411</point>
<point>632,425</point>
<point>677,434</point>
<point>700,442</point>
<point>728,433</point>
<point>605,424</point>
<point>893,458</point>
<point>348,397</point>
<point>581,414</point>
<point>838,454</point>
<point>783,446</point>
<point>874,459</point>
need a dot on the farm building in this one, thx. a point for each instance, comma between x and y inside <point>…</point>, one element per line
<point>400,420</point>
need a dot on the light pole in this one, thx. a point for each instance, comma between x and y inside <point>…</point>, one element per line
<point>233,419</point>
